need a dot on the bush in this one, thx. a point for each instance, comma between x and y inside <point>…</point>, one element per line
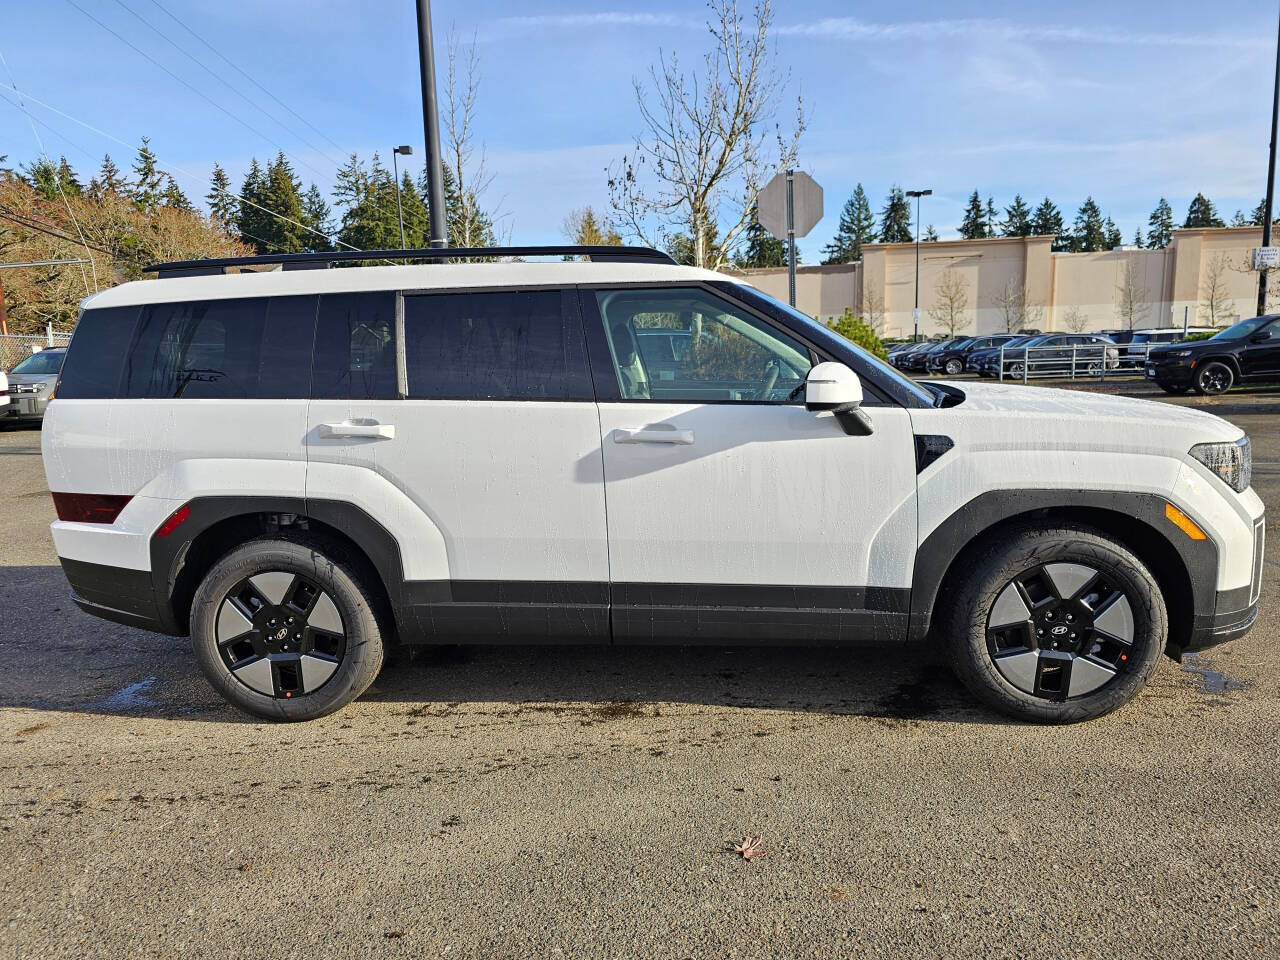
<point>855,329</point>
<point>1197,336</point>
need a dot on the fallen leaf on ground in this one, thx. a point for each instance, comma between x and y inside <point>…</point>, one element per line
<point>750,847</point>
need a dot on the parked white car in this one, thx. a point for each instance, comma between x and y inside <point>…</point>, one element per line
<point>300,468</point>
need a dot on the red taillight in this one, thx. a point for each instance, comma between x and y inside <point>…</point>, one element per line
<point>176,519</point>
<point>89,507</point>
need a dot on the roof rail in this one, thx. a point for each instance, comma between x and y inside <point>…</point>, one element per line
<point>312,261</point>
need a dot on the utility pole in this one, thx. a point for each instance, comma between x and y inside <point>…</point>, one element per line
<point>431,125</point>
<point>1271,181</point>
<point>404,151</point>
<point>791,237</point>
<point>4,312</point>
<point>915,314</point>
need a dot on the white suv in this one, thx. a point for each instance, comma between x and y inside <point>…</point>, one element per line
<point>300,467</point>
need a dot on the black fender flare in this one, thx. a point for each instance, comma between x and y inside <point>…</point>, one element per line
<point>1128,513</point>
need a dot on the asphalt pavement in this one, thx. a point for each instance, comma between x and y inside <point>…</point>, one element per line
<point>562,802</point>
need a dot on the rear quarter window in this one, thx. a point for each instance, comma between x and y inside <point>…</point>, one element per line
<point>97,353</point>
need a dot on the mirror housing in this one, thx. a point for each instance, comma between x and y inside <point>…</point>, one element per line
<point>833,387</point>
<point>1262,336</point>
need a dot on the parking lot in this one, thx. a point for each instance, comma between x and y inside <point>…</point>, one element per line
<point>500,802</point>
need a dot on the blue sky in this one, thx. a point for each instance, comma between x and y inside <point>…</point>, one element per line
<point>1127,101</point>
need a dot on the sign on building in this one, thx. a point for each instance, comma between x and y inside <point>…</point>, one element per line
<point>1266,258</point>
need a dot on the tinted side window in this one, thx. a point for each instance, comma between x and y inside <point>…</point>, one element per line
<point>517,345</point>
<point>355,356</point>
<point>222,350</point>
<point>93,363</point>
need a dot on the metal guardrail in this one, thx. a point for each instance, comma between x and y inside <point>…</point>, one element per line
<point>16,347</point>
<point>1078,362</point>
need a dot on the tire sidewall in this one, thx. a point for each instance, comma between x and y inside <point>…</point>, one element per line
<point>1012,556</point>
<point>1231,377</point>
<point>363,655</point>
<point>954,367</point>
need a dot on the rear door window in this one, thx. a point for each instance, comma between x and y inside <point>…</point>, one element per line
<point>95,358</point>
<point>508,345</point>
<point>355,355</point>
<point>256,348</point>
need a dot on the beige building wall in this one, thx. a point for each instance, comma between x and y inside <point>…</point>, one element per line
<point>1057,286</point>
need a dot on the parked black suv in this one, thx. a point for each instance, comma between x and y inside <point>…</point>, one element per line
<point>951,359</point>
<point>1248,352</point>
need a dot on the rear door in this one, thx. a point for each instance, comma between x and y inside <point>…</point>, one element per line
<point>465,423</point>
<point>733,512</point>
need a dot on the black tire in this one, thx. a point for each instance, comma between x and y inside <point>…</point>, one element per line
<point>983,658</point>
<point>356,646</point>
<point>1213,378</point>
<point>954,367</point>
<point>1176,391</point>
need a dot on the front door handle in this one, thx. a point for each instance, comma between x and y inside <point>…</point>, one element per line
<point>378,431</point>
<point>657,433</point>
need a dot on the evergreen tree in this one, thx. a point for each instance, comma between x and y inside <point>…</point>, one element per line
<point>895,218</point>
<point>765,250</point>
<point>1111,235</point>
<point>990,217</point>
<point>1260,214</point>
<point>53,181</point>
<point>282,192</point>
<point>1017,219</point>
<point>585,229</point>
<point>148,181</point>
<point>1240,220</point>
<point>109,178</point>
<point>252,223</point>
<point>1201,213</point>
<point>974,226</point>
<point>224,205</point>
<point>67,179</point>
<point>173,196</point>
<point>1089,233</point>
<point>1047,222</point>
<point>315,214</point>
<point>351,182</point>
<point>930,235</point>
<point>1160,226</point>
<point>1137,238</point>
<point>857,228</point>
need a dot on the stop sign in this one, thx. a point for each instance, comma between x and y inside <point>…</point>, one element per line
<point>806,197</point>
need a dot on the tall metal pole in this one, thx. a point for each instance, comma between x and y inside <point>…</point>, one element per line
<point>915,313</point>
<point>431,125</point>
<point>1271,181</point>
<point>395,170</point>
<point>791,239</point>
<point>4,313</point>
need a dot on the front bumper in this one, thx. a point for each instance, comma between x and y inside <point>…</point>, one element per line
<point>1169,374</point>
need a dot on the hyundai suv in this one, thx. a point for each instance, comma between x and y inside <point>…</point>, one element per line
<point>300,468</point>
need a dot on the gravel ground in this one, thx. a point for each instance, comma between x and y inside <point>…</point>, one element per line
<point>542,802</point>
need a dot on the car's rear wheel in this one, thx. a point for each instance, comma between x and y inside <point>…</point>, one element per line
<point>286,629</point>
<point>954,367</point>
<point>1177,391</point>
<point>1056,625</point>
<point>1214,377</point>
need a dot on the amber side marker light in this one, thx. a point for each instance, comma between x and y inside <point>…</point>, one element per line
<point>1183,522</point>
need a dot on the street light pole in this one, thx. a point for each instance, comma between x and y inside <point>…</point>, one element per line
<point>1271,182</point>
<point>915,314</point>
<point>402,151</point>
<point>431,125</point>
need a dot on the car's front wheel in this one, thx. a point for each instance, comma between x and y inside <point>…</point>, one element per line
<point>954,367</point>
<point>1214,377</point>
<point>286,629</point>
<point>1055,625</point>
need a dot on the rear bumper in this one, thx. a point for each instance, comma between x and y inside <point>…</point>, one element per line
<point>116,594</point>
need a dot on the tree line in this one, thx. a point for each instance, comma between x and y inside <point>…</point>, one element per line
<point>1090,231</point>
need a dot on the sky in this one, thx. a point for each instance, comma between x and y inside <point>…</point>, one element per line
<point>1124,101</point>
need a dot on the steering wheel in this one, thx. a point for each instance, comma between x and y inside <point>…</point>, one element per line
<point>770,379</point>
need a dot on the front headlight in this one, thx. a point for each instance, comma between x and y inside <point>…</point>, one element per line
<point>1178,353</point>
<point>1233,462</point>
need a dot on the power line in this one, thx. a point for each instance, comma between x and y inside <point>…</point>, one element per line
<point>209,70</point>
<point>240,71</point>
<point>171,168</point>
<point>156,63</point>
<point>22,221</point>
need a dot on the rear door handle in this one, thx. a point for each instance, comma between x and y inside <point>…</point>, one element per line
<point>378,431</point>
<point>653,434</point>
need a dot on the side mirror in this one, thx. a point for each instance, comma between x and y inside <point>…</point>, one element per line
<point>834,387</point>
<point>1262,336</point>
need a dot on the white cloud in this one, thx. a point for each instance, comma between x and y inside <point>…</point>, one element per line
<point>852,28</point>
<point>603,18</point>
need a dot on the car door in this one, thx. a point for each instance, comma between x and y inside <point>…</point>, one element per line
<point>733,512</point>
<point>465,424</point>
<point>1261,357</point>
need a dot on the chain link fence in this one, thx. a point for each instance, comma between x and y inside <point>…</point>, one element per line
<point>16,347</point>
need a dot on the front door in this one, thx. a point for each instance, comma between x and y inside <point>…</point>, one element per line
<point>734,514</point>
<point>1262,359</point>
<point>465,424</point>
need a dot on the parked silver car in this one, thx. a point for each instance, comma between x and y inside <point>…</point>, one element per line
<point>31,383</point>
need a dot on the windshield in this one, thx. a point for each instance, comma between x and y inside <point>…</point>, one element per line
<point>961,344</point>
<point>44,362</point>
<point>1242,329</point>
